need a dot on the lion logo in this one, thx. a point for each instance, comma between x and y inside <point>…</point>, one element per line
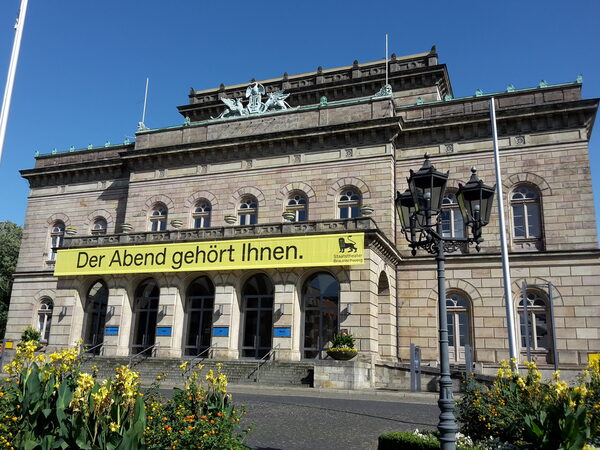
<point>351,245</point>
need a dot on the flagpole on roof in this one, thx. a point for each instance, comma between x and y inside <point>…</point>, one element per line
<point>510,316</point>
<point>12,68</point>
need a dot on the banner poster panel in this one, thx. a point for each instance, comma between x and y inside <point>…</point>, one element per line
<point>295,251</point>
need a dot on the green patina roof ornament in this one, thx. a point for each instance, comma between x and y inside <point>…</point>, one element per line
<point>579,79</point>
<point>385,91</point>
<point>90,146</point>
<point>72,148</point>
<point>187,121</point>
<point>126,141</point>
<point>478,92</point>
<point>323,101</point>
<point>107,144</point>
<point>447,97</point>
<point>36,154</point>
<point>510,88</point>
<point>419,101</point>
<point>543,84</point>
<point>54,151</point>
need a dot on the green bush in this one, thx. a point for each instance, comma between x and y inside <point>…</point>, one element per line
<point>342,340</point>
<point>530,413</point>
<point>31,334</point>
<point>407,440</point>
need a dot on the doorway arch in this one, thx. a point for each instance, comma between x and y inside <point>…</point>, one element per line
<point>320,308</point>
<point>257,318</point>
<point>200,301</point>
<point>95,309</point>
<point>146,301</point>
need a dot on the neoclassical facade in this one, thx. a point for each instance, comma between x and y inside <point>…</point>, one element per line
<point>266,220</point>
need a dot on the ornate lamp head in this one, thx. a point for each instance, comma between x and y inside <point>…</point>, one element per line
<point>427,187</point>
<point>475,200</point>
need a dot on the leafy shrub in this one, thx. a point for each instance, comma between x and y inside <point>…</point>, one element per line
<point>53,405</point>
<point>527,412</point>
<point>407,440</point>
<point>47,402</point>
<point>198,416</point>
<point>342,341</point>
<point>31,334</point>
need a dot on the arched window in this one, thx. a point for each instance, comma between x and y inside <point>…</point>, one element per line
<point>459,332</point>
<point>320,301</point>
<point>349,203</point>
<point>257,302</point>
<point>99,226</point>
<point>96,308</point>
<point>248,210</point>
<point>525,205</point>
<point>200,301</point>
<point>452,219</point>
<point>201,214</point>
<point>298,204</point>
<point>57,236</point>
<point>44,318</point>
<point>146,313</point>
<point>538,322</point>
<point>158,217</point>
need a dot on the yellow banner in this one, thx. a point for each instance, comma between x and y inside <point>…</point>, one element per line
<point>295,251</point>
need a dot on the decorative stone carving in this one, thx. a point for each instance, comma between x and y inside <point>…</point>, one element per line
<point>520,140</point>
<point>385,91</point>
<point>275,102</point>
<point>349,153</point>
<point>297,158</point>
<point>449,148</point>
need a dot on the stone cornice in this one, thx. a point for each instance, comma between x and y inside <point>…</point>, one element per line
<point>469,123</point>
<point>73,173</point>
<point>565,257</point>
<point>367,132</point>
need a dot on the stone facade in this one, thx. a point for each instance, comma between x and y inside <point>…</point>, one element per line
<point>339,135</point>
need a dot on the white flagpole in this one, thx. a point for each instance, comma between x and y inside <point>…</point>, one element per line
<point>12,68</point>
<point>145,101</point>
<point>510,317</point>
<point>386,59</point>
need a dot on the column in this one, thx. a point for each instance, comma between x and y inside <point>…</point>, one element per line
<point>119,323</point>
<point>286,323</point>
<point>169,308</point>
<point>226,326</point>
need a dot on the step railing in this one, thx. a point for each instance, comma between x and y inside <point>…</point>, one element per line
<point>264,360</point>
<point>88,353</point>
<point>141,355</point>
<point>199,357</point>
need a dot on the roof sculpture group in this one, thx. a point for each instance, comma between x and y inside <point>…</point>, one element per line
<point>235,108</point>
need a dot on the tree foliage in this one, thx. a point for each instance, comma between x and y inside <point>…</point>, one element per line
<point>10,242</point>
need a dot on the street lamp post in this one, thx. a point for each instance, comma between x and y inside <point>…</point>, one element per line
<point>419,209</point>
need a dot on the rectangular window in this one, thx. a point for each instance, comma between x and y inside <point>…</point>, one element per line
<point>519,221</point>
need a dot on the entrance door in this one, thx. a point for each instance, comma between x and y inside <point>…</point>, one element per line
<point>96,306</point>
<point>257,297</point>
<point>320,297</point>
<point>200,303</point>
<point>458,327</point>
<point>146,312</point>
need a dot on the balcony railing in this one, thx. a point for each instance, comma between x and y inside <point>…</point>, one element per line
<point>229,232</point>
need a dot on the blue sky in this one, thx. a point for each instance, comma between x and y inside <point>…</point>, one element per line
<point>83,64</point>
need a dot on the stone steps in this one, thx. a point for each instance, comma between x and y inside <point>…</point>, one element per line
<point>271,373</point>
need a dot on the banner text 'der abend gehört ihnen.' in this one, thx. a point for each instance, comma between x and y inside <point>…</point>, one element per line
<point>295,251</point>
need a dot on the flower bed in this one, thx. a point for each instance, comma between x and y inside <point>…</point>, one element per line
<point>47,402</point>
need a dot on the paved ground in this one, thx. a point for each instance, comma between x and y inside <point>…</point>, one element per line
<point>297,419</point>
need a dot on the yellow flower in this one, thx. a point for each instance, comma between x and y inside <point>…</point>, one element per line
<point>114,427</point>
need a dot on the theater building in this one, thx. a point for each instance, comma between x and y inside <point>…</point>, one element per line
<point>266,220</point>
